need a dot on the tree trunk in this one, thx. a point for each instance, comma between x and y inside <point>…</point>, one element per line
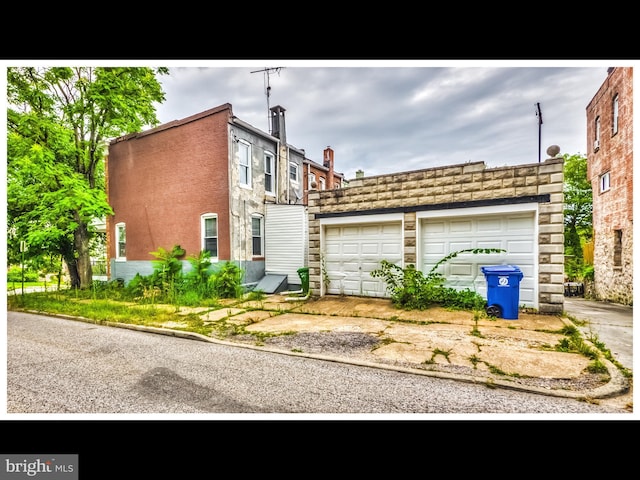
<point>72,267</point>
<point>83,255</point>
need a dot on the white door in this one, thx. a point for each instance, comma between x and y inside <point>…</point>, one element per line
<point>513,232</point>
<point>353,251</point>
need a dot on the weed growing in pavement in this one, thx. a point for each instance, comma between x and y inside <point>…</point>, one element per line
<point>597,367</point>
<point>436,352</point>
<point>476,317</point>
<point>475,360</point>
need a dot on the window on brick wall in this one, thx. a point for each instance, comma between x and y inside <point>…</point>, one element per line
<point>209,228</point>
<point>617,248</point>
<point>596,140</point>
<point>323,183</point>
<point>121,241</point>
<point>605,182</point>
<point>312,180</point>
<point>614,123</point>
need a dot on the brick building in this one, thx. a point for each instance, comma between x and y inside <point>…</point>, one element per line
<point>208,182</point>
<point>610,171</point>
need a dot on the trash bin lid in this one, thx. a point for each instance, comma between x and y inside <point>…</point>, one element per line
<point>500,269</point>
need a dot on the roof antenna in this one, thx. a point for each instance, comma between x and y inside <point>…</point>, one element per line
<point>539,115</point>
<point>267,88</point>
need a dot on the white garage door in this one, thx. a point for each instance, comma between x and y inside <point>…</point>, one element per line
<point>352,252</point>
<point>513,232</point>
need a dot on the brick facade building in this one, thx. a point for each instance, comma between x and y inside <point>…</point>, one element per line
<point>610,171</point>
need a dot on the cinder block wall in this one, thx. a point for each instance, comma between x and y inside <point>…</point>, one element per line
<point>467,182</point>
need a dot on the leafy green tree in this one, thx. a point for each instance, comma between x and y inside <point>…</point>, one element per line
<point>578,212</point>
<point>60,121</point>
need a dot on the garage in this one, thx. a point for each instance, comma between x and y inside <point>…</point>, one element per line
<point>514,231</point>
<point>353,250</point>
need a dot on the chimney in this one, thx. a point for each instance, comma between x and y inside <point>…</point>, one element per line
<point>277,123</point>
<point>328,163</point>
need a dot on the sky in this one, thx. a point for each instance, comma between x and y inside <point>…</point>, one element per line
<point>394,116</point>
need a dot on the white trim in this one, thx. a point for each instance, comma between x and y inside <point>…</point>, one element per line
<point>517,207</point>
<point>297,179</point>
<point>118,225</point>
<point>383,217</point>
<point>203,217</point>
<point>248,166</point>
<point>272,173</point>
<point>605,186</point>
<point>261,218</point>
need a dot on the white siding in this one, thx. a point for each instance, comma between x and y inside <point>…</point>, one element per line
<point>286,240</point>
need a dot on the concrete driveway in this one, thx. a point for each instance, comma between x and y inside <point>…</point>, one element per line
<point>611,322</point>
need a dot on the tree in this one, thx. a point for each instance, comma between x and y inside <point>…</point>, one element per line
<point>578,211</point>
<point>60,121</point>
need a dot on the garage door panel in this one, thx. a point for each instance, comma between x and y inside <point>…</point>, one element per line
<point>461,226</point>
<point>495,244</point>
<point>519,246</point>
<point>455,246</point>
<point>434,227</point>
<point>370,248</point>
<point>393,249</point>
<point>489,226</point>
<point>461,269</point>
<point>518,224</point>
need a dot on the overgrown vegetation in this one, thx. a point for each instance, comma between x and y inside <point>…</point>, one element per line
<point>169,284</point>
<point>410,289</point>
<point>578,218</point>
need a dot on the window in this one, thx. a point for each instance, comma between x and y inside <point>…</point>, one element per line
<point>209,228</point>
<point>121,243</point>
<point>323,183</point>
<point>312,180</point>
<point>293,172</point>
<point>269,160</point>
<point>614,125</point>
<point>244,159</point>
<point>617,248</point>
<point>256,235</point>
<point>605,182</point>
<point>596,141</point>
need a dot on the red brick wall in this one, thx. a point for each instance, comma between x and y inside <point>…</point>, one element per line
<point>169,177</point>
<point>612,209</point>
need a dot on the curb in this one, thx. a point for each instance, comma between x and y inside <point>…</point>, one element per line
<point>617,385</point>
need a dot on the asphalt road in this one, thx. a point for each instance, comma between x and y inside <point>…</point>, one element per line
<point>58,366</point>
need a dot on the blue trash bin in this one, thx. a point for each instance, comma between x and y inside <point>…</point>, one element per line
<point>503,290</point>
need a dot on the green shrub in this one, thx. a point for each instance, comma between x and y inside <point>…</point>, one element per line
<point>14,275</point>
<point>410,289</point>
<point>227,281</point>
